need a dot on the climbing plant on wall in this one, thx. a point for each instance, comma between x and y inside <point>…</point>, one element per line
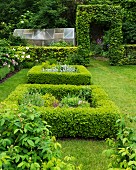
<point>103,14</point>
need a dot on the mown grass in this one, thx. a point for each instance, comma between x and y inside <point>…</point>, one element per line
<point>120,84</point>
<point>9,85</point>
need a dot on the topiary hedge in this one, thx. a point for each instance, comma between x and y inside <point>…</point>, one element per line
<point>81,77</point>
<point>110,15</point>
<point>98,121</point>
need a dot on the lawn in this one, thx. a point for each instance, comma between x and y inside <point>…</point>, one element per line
<point>8,86</point>
<point>120,84</point>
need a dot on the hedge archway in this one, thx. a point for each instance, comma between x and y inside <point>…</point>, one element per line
<point>110,14</point>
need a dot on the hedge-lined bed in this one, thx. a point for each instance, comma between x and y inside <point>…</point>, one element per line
<point>81,77</point>
<point>97,121</point>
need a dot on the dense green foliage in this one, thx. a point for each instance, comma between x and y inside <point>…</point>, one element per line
<point>41,54</point>
<point>98,121</point>
<point>122,151</point>
<point>103,14</point>
<point>129,55</point>
<point>58,13</point>
<point>26,142</point>
<point>38,76</point>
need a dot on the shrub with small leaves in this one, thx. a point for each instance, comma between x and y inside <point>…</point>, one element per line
<point>50,100</point>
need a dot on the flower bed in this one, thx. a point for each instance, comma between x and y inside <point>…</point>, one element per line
<point>96,121</point>
<point>79,77</point>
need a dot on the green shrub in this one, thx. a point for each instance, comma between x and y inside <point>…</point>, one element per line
<point>97,121</point>
<point>82,76</point>
<point>122,151</point>
<point>27,144</point>
<point>50,100</point>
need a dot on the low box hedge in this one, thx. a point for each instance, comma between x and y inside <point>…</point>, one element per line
<point>97,121</point>
<point>37,76</point>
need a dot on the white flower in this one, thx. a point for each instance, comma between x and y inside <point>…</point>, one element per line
<point>13,49</point>
<point>28,56</point>
<point>23,52</point>
<point>5,63</point>
<point>27,48</point>
<point>22,22</point>
<point>22,56</point>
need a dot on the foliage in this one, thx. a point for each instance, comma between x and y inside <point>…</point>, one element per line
<point>73,101</point>
<point>7,58</point>
<point>103,14</point>
<point>97,121</point>
<point>26,142</point>
<point>42,54</point>
<point>122,150</point>
<point>81,76</point>
<point>130,55</point>
<point>17,41</point>
<point>50,100</point>
<point>49,11</point>
<point>61,44</point>
<point>32,99</point>
<point>25,21</point>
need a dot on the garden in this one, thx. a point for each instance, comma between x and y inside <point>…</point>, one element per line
<point>64,106</point>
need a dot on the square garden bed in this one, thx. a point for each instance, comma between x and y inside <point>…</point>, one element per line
<point>94,119</point>
<point>39,75</point>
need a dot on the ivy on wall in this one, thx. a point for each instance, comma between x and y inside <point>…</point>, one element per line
<point>102,14</point>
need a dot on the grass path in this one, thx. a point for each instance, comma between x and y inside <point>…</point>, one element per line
<point>9,85</point>
<point>119,82</point>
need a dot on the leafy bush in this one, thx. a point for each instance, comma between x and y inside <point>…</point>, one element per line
<point>60,44</point>
<point>26,142</point>
<point>81,76</point>
<point>7,58</point>
<point>122,150</point>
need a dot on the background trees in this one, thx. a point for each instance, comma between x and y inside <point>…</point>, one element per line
<point>57,13</point>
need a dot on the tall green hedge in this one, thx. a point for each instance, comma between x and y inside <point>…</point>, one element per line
<point>41,54</point>
<point>102,14</point>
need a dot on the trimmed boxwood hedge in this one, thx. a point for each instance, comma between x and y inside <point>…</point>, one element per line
<point>41,54</point>
<point>37,76</point>
<point>97,121</point>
